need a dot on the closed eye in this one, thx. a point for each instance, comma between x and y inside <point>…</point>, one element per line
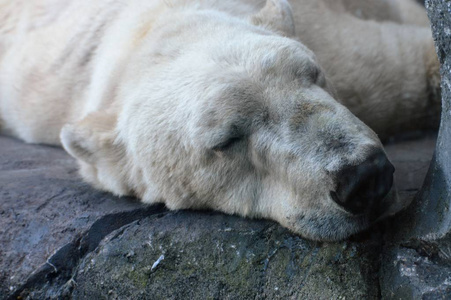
<point>224,146</point>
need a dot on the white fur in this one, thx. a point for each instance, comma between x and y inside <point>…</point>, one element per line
<point>150,90</point>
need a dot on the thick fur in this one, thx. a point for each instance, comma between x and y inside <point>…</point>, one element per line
<point>216,104</point>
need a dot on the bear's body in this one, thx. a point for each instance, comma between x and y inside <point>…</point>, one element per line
<point>374,52</point>
<point>212,104</point>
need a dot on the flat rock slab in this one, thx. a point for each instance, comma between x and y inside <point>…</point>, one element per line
<point>45,206</point>
<point>180,255</point>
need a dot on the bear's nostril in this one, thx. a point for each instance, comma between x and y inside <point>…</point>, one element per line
<point>361,188</point>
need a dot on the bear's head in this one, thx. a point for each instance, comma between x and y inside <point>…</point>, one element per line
<point>220,113</point>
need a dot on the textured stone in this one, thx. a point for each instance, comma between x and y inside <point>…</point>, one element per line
<point>415,273</point>
<point>432,216</point>
<point>212,256</point>
<point>44,207</point>
<point>417,258</point>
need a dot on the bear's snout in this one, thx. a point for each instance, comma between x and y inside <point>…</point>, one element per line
<point>361,188</point>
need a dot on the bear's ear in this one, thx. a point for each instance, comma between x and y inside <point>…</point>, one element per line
<point>91,138</point>
<point>275,16</point>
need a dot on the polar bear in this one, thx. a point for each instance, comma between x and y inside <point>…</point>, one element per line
<point>223,105</point>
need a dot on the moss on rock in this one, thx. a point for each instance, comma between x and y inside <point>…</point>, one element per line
<point>181,255</point>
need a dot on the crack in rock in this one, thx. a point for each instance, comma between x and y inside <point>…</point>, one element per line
<point>55,274</point>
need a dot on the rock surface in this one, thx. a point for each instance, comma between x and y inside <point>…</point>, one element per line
<point>432,217</point>
<point>417,259</point>
<point>45,207</point>
<point>59,237</point>
<point>173,256</point>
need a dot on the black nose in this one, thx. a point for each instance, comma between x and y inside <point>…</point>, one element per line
<point>361,188</point>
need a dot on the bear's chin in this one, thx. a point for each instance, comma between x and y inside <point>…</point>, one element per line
<point>332,227</point>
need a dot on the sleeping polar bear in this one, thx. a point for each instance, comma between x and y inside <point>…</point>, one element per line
<point>217,104</point>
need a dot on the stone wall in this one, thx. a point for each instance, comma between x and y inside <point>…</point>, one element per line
<point>417,258</point>
<point>433,218</point>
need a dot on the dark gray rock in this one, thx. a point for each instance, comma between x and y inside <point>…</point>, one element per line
<point>45,207</point>
<point>191,255</point>
<point>417,260</point>
<point>432,216</point>
<point>411,158</point>
<point>415,274</point>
